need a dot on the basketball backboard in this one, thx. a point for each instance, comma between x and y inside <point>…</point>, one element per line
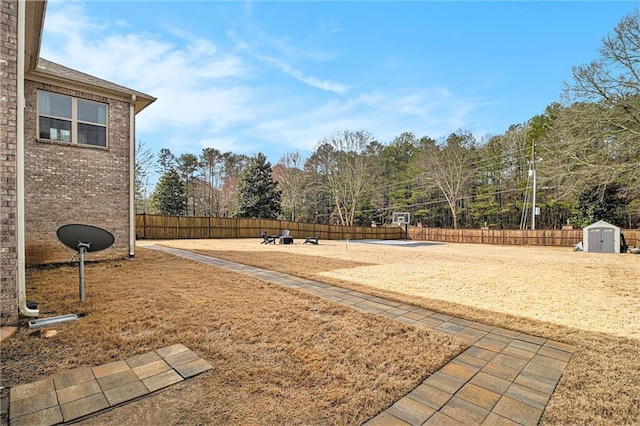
<point>401,218</point>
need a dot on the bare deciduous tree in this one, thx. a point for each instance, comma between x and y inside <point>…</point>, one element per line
<point>144,160</point>
<point>595,139</point>
<point>345,170</point>
<point>450,168</point>
<point>290,177</point>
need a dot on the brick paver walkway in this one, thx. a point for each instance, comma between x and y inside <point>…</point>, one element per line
<point>505,377</point>
<point>84,391</point>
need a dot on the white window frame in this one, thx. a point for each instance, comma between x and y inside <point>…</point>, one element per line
<point>75,121</point>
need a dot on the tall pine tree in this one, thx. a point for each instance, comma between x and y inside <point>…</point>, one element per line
<point>169,196</point>
<point>257,193</point>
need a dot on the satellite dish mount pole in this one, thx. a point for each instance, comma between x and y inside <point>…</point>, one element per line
<point>82,249</point>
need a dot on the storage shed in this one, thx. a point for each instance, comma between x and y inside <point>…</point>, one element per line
<point>601,237</point>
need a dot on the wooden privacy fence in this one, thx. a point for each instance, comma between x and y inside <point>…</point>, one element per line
<point>155,227</point>
<point>540,237</point>
<point>159,227</point>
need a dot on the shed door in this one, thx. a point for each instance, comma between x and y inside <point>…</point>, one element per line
<point>602,240</point>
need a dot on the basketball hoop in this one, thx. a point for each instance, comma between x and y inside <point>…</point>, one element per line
<point>401,218</point>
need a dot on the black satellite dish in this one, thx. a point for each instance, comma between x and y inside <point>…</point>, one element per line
<point>84,239</point>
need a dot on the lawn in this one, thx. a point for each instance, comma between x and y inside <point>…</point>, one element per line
<point>589,300</point>
<point>282,356</point>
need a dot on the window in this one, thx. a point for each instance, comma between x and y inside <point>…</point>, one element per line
<point>66,119</point>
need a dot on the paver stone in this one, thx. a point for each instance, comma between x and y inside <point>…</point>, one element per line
<point>386,419</point>
<point>162,380</point>
<point>79,391</point>
<point>46,417</point>
<point>110,368</point>
<point>142,359</point>
<point>193,368</point>
<point>146,370</point>
<point>72,378</point>
<point>125,392</point>
<point>518,411</point>
<point>479,396</point>
<point>117,379</point>
<point>464,411</point>
<point>30,389</point>
<point>83,407</point>
<point>171,350</point>
<point>444,382</point>
<point>528,396</point>
<point>495,420</point>
<point>439,419</point>
<point>430,396</point>
<point>411,411</point>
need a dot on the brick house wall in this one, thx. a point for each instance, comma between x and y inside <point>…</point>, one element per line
<point>8,138</point>
<point>69,183</point>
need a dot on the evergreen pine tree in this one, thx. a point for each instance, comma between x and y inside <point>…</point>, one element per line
<point>257,194</point>
<point>169,195</point>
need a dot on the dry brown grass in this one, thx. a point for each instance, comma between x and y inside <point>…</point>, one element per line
<point>280,356</point>
<point>589,300</point>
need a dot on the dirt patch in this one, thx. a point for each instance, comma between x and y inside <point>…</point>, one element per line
<point>280,356</point>
<point>589,300</point>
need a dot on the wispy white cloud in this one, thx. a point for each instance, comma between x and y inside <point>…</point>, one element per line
<point>327,85</point>
<point>212,95</point>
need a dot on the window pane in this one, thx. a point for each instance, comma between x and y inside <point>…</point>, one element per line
<point>92,112</point>
<point>55,130</point>
<point>52,104</point>
<point>92,135</point>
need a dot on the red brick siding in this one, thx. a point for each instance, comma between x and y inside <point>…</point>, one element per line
<point>8,138</point>
<point>68,183</point>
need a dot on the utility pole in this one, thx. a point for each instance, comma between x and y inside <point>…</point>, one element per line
<point>533,200</point>
<point>532,172</point>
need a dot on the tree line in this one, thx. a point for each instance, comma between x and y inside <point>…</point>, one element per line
<point>581,156</point>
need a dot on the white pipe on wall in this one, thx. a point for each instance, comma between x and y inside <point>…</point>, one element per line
<point>132,176</point>
<point>20,220</point>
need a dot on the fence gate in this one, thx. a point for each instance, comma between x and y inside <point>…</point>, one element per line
<point>602,240</point>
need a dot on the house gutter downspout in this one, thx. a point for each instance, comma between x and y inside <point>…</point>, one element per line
<point>20,220</point>
<point>132,176</point>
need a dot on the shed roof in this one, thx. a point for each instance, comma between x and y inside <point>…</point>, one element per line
<point>601,224</point>
<point>60,74</point>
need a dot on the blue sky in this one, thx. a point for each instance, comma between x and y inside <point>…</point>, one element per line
<point>279,77</point>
